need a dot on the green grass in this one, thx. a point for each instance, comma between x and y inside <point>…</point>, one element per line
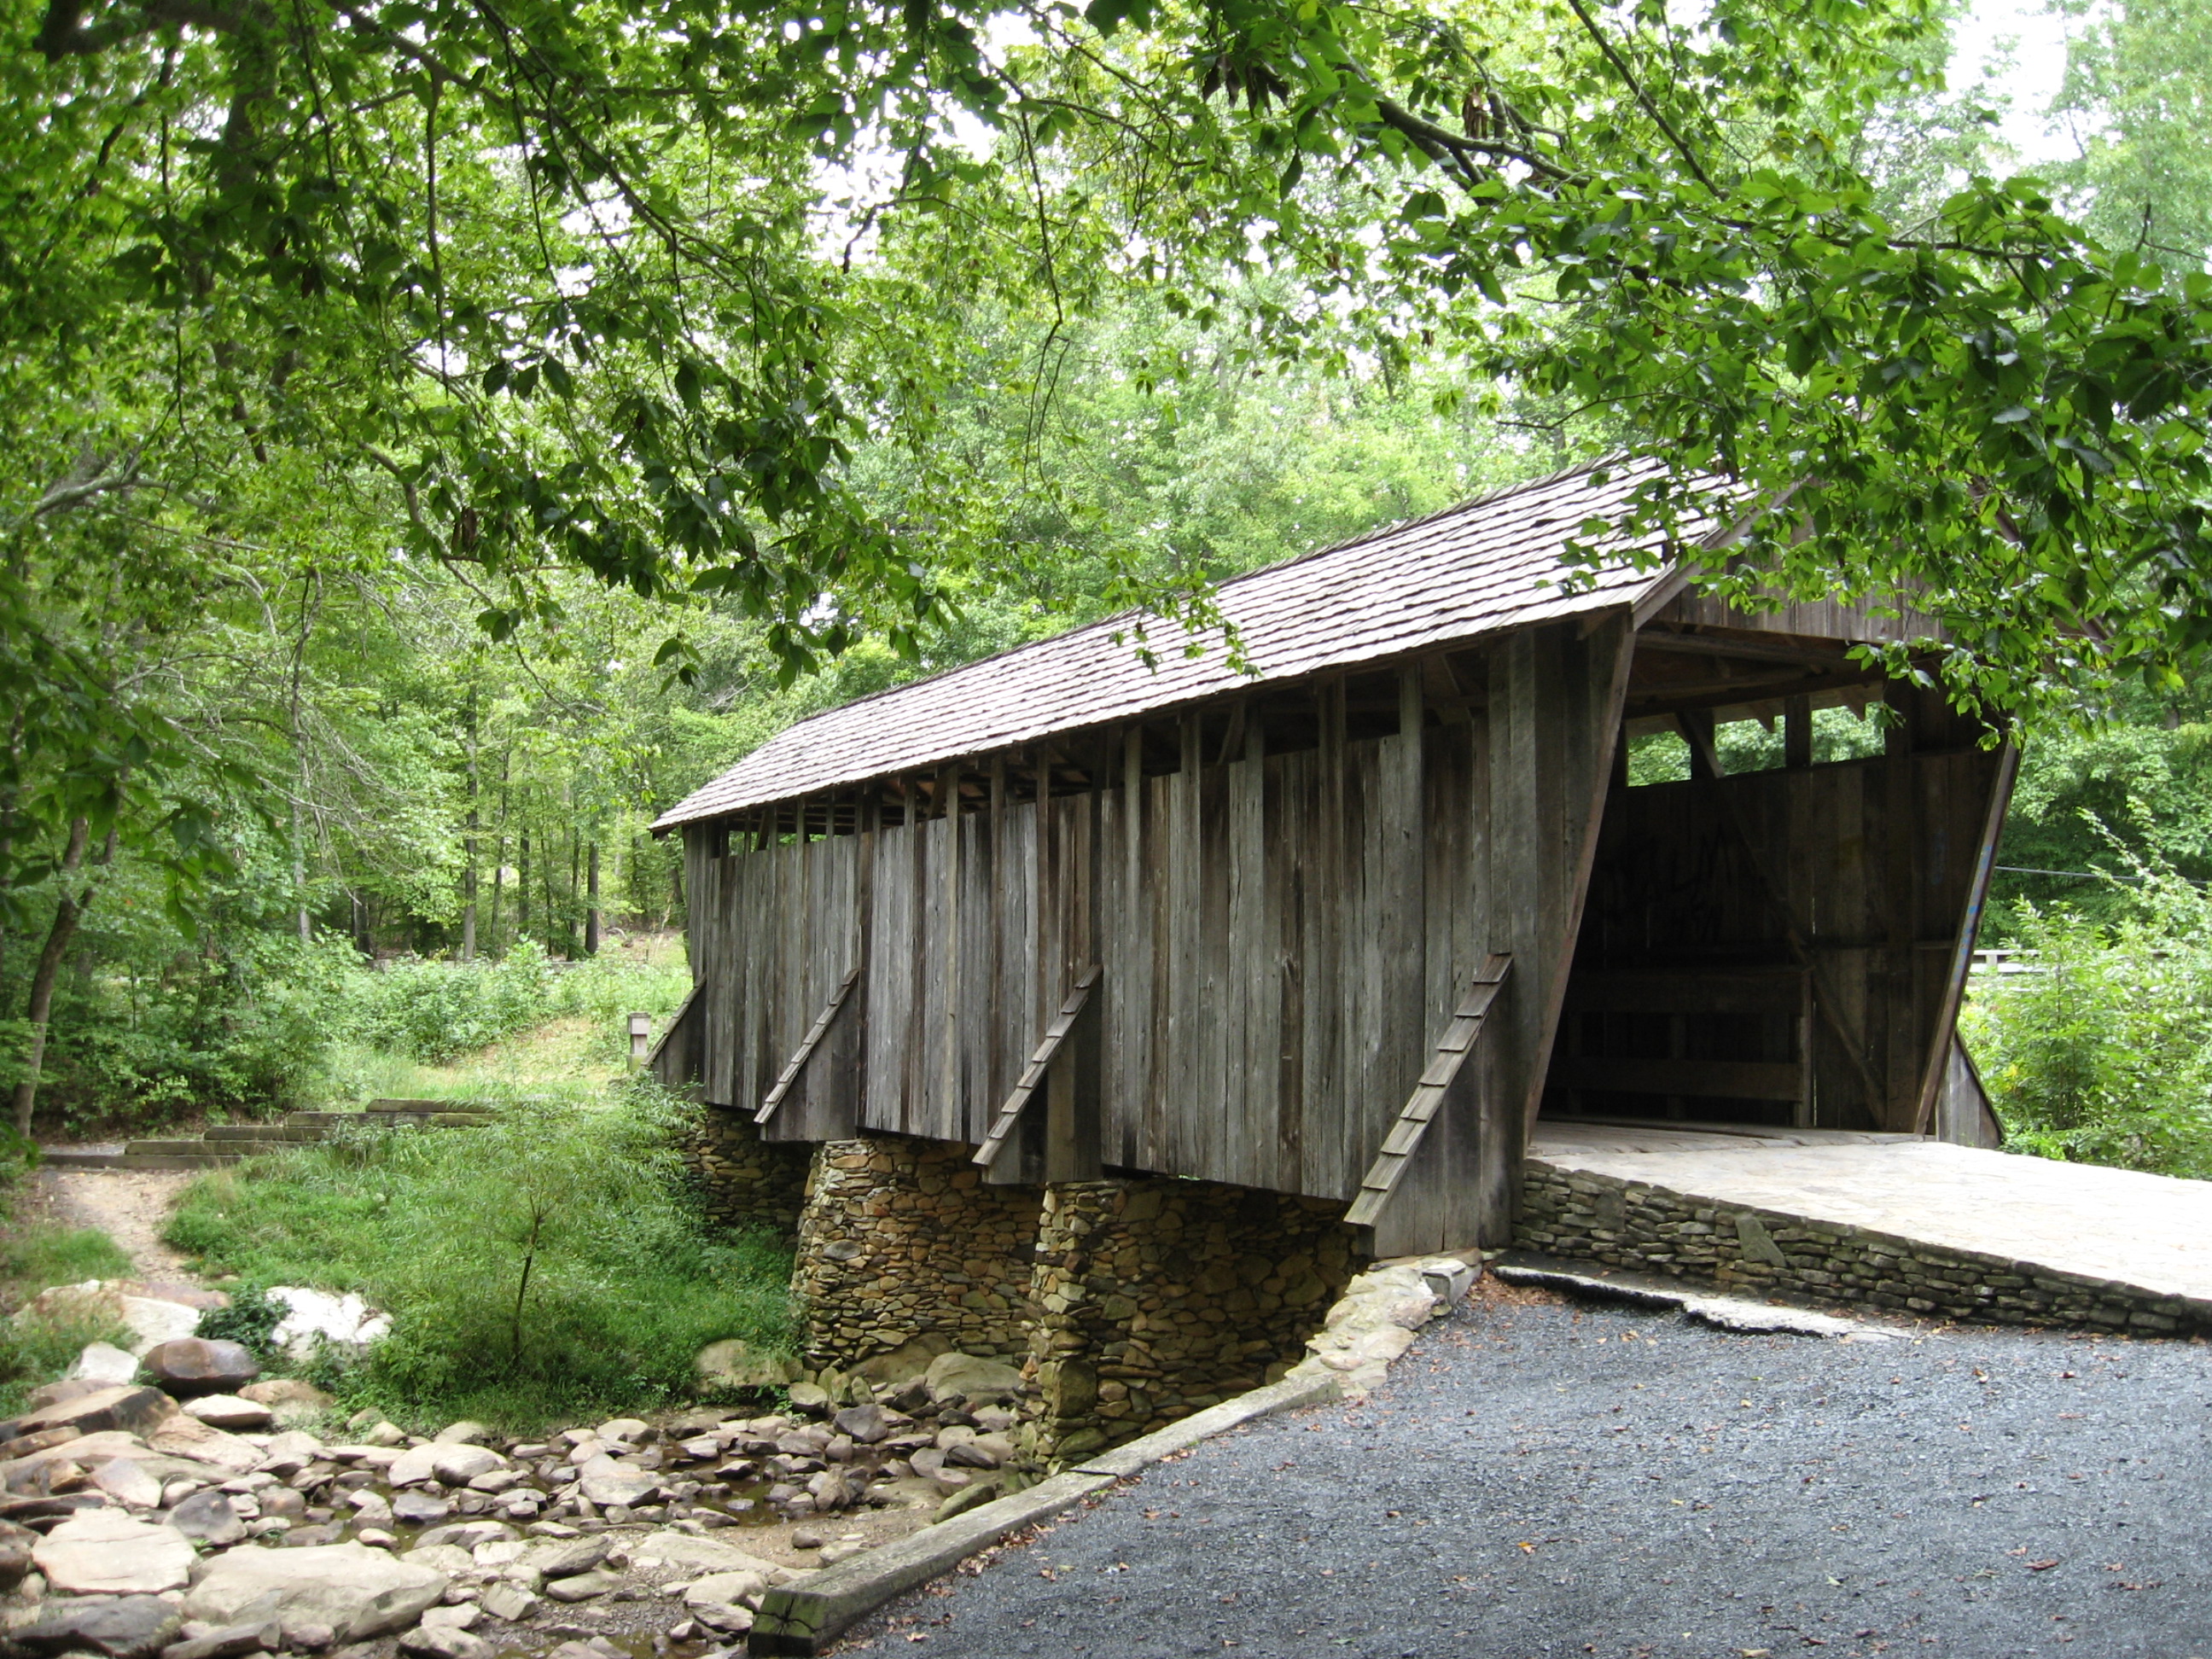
<point>549,1265</point>
<point>34,1255</point>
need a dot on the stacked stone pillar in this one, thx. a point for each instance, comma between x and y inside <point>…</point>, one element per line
<point>1157,1298</point>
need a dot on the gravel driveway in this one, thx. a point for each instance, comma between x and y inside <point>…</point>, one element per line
<point>1548,1478</point>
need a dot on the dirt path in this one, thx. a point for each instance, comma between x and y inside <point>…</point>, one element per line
<point>131,1206</point>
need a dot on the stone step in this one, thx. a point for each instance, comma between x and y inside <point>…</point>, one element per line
<point>416,1107</point>
<point>82,1160</point>
<point>226,1150</point>
<point>256,1132</point>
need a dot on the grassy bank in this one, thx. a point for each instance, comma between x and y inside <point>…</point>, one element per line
<point>550,1264</point>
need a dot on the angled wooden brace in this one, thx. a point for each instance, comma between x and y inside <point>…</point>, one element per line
<point>1034,1075</point>
<point>1451,1052</point>
<point>805,1052</point>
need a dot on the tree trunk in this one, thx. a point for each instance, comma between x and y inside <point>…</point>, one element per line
<point>363,940</point>
<point>591,900</point>
<point>469,847</point>
<point>522,888</point>
<point>69,910</point>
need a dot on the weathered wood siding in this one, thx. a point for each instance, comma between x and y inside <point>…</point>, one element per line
<point>1283,937</point>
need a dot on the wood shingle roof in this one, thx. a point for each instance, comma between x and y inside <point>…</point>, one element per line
<point>1485,567</point>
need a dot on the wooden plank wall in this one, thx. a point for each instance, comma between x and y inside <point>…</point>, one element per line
<point>1283,938</point>
<point>1877,856</point>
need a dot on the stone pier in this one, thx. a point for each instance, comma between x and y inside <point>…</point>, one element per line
<point>1126,1304</point>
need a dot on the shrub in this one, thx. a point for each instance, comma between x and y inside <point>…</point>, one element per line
<point>553,1262</point>
<point>2102,1052</point>
<point>433,1011</point>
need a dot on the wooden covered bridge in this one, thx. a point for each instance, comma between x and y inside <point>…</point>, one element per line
<point>1345,925</point>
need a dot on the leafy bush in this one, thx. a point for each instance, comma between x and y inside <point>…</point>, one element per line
<point>550,1263</point>
<point>433,1011</point>
<point>250,1321</point>
<point>2102,1052</point>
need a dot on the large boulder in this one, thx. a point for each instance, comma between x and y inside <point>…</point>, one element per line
<point>970,1377</point>
<point>126,1627</point>
<point>202,1443</point>
<point>313,1319</point>
<point>458,1465</point>
<point>134,1410</point>
<point>607,1483</point>
<point>105,1552</point>
<point>197,1365</point>
<point>735,1367</point>
<point>292,1399</point>
<point>104,1365</point>
<point>355,1591</point>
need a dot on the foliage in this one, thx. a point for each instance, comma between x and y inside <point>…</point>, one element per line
<point>435,1010</point>
<point>578,1217</point>
<point>2101,1050</point>
<point>250,1321</point>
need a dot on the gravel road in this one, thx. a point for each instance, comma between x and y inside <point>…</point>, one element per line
<point>1545,1478</point>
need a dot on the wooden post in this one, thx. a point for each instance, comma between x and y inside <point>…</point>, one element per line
<point>1696,725</point>
<point>1797,733</point>
<point>1962,950</point>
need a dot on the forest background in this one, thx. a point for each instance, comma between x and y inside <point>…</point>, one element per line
<point>353,796</point>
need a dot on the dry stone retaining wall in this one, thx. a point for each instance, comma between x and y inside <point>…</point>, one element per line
<point>1157,1298</point>
<point>1581,1216</point>
<point>745,1181</point>
<point>901,1245</point>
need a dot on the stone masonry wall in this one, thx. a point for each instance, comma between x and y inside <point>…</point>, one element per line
<point>1158,1297</point>
<point>743,1180</point>
<point>1580,1216</point>
<point>901,1245</point>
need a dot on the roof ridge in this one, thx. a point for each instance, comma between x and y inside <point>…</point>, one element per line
<point>1394,527</point>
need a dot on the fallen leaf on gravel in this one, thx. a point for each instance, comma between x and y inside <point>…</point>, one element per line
<point>2041,1567</point>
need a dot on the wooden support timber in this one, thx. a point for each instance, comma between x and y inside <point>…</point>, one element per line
<point>1055,1034</point>
<point>805,1052</point>
<point>1452,1050</point>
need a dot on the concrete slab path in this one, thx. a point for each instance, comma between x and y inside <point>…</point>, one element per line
<point>2141,1229</point>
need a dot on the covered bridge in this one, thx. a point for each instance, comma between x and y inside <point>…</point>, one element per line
<point>1344,925</point>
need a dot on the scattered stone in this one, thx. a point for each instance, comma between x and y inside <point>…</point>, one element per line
<point>582,1587</point>
<point>724,1590</point>
<point>806,1538</point>
<point>127,1627</point>
<point>970,1377</point>
<point>510,1602</point>
<point>357,1591</point>
<point>53,1394</point>
<point>463,1433</point>
<point>208,1518</point>
<point>375,1537</point>
<point>309,1637</point>
<point>105,1552</point>
<point>197,1366</point>
<point>444,1642</point>
<point>682,1631</point>
<point>566,1560</point>
<point>467,1534</point>
<point>865,1424</point>
<point>282,1394</point>
<point>231,1642</point>
<point>124,1480</point>
<point>833,1553</point>
<point>458,1465</point>
<point>973,1455</point>
<point>617,1485</point>
<point>290,1452</point>
<point>134,1410</point>
<point>419,1509</point>
<point>452,1615</point>
<point>810,1397</point>
<point>227,1411</point>
<point>105,1366</point>
<point>386,1434</point>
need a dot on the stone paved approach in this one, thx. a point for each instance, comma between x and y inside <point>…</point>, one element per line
<point>1542,1479</point>
<point>2140,1230</point>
